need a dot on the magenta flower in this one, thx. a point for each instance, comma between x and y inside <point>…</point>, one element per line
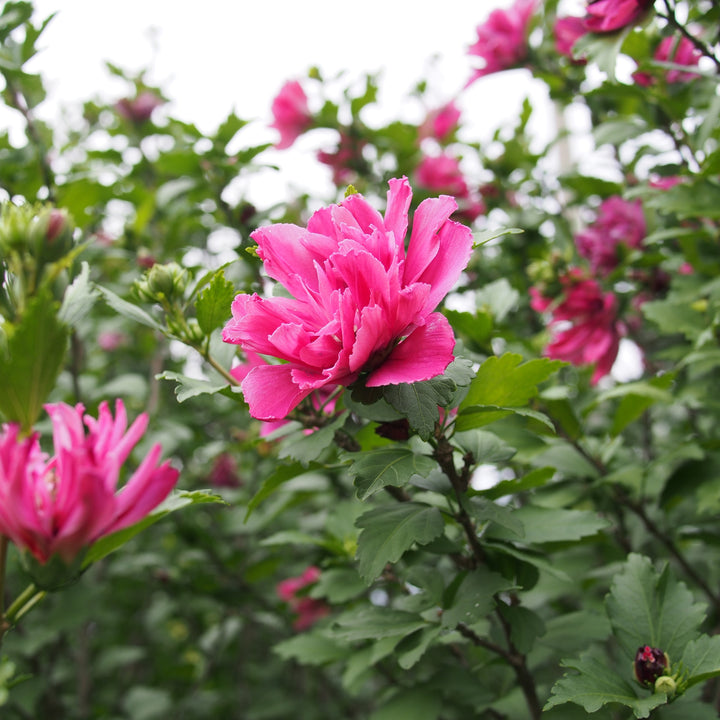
<point>440,123</point>
<point>63,504</point>
<point>678,50</point>
<point>291,114</point>
<point>619,222</point>
<point>139,109</point>
<point>590,330</point>
<point>345,160</point>
<point>609,15</point>
<point>502,39</point>
<point>361,304</point>
<point>309,610</point>
<point>567,31</point>
<point>441,173</point>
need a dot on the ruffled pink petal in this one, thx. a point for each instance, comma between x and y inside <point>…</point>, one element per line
<point>399,198</point>
<point>271,393</point>
<point>455,247</point>
<point>424,354</point>
<point>424,241</point>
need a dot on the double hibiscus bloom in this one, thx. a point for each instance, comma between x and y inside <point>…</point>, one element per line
<point>362,303</point>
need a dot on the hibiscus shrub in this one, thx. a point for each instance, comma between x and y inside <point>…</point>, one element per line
<point>442,427</point>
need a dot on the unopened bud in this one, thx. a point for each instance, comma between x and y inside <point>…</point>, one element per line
<point>666,685</point>
<point>650,663</point>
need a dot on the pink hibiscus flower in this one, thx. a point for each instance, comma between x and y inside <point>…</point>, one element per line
<point>345,160</point>
<point>585,323</point>
<point>291,116</point>
<point>309,610</point>
<point>63,504</point>
<point>502,39</point>
<point>361,304</point>
<point>619,222</point>
<point>678,50</point>
<point>609,15</point>
<point>440,123</point>
<point>567,31</point>
<point>138,109</point>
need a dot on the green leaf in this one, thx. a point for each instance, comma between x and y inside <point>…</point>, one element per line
<point>412,648</point>
<point>415,704</point>
<point>475,597</point>
<point>525,626</point>
<point>374,623</point>
<point>486,447</point>
<point>311,648</point>
<point>504,382</point>
<point>700,661</point>
<point>534,479</point>
<point>272,482</point>
<point>597,685</point>
<point>213,303</point>
<point>78,298</point>
<point>480,237</point>
<point>338,585</point>
<point>128,310</point>
<point>541,525</point>
<point>390,530</point>
<point>646,607</point>
<point>188,387</point>
<point>419,402</point>
<point>177,500</point>
<point>306,447</point>
<point>31,361</point>
<point>375,469</point>
<point>499,297</point>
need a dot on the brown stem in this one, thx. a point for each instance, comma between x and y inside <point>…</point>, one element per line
<point>443,453</point>
<point>515,659</point>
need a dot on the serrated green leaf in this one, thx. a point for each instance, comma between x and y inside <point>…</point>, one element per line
<point>338,585</point>
<point>543,525</point>
<point>177,500</point>
<point>128,310</point>
<point>412,648</point>
<point>485,511</point>
<point>525,626</point>
<point>213,303</point>
<point>375,469</point>
<point>31,361</point>
<point>415,704</point>
<point>534,479</point>
<point>597,685</point>
<point>375,623</point>
<point>272,482</point>
<point>420,402</point>
<point>306,447</point>
<point>78,298</point>
<point>474,598</point>
<point>391,530</point>
<point>700,661</point>
<point>486,447</point>
<point>647,607</point>
<point>188,387</point>
<point>311,649</point>
<point>504,382</point>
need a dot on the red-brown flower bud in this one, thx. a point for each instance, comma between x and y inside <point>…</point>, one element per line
<point>650,663</point>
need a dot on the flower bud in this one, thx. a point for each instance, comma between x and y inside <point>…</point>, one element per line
<point>650,664</point>
<point>162,283</point>
<point>666,685</point>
